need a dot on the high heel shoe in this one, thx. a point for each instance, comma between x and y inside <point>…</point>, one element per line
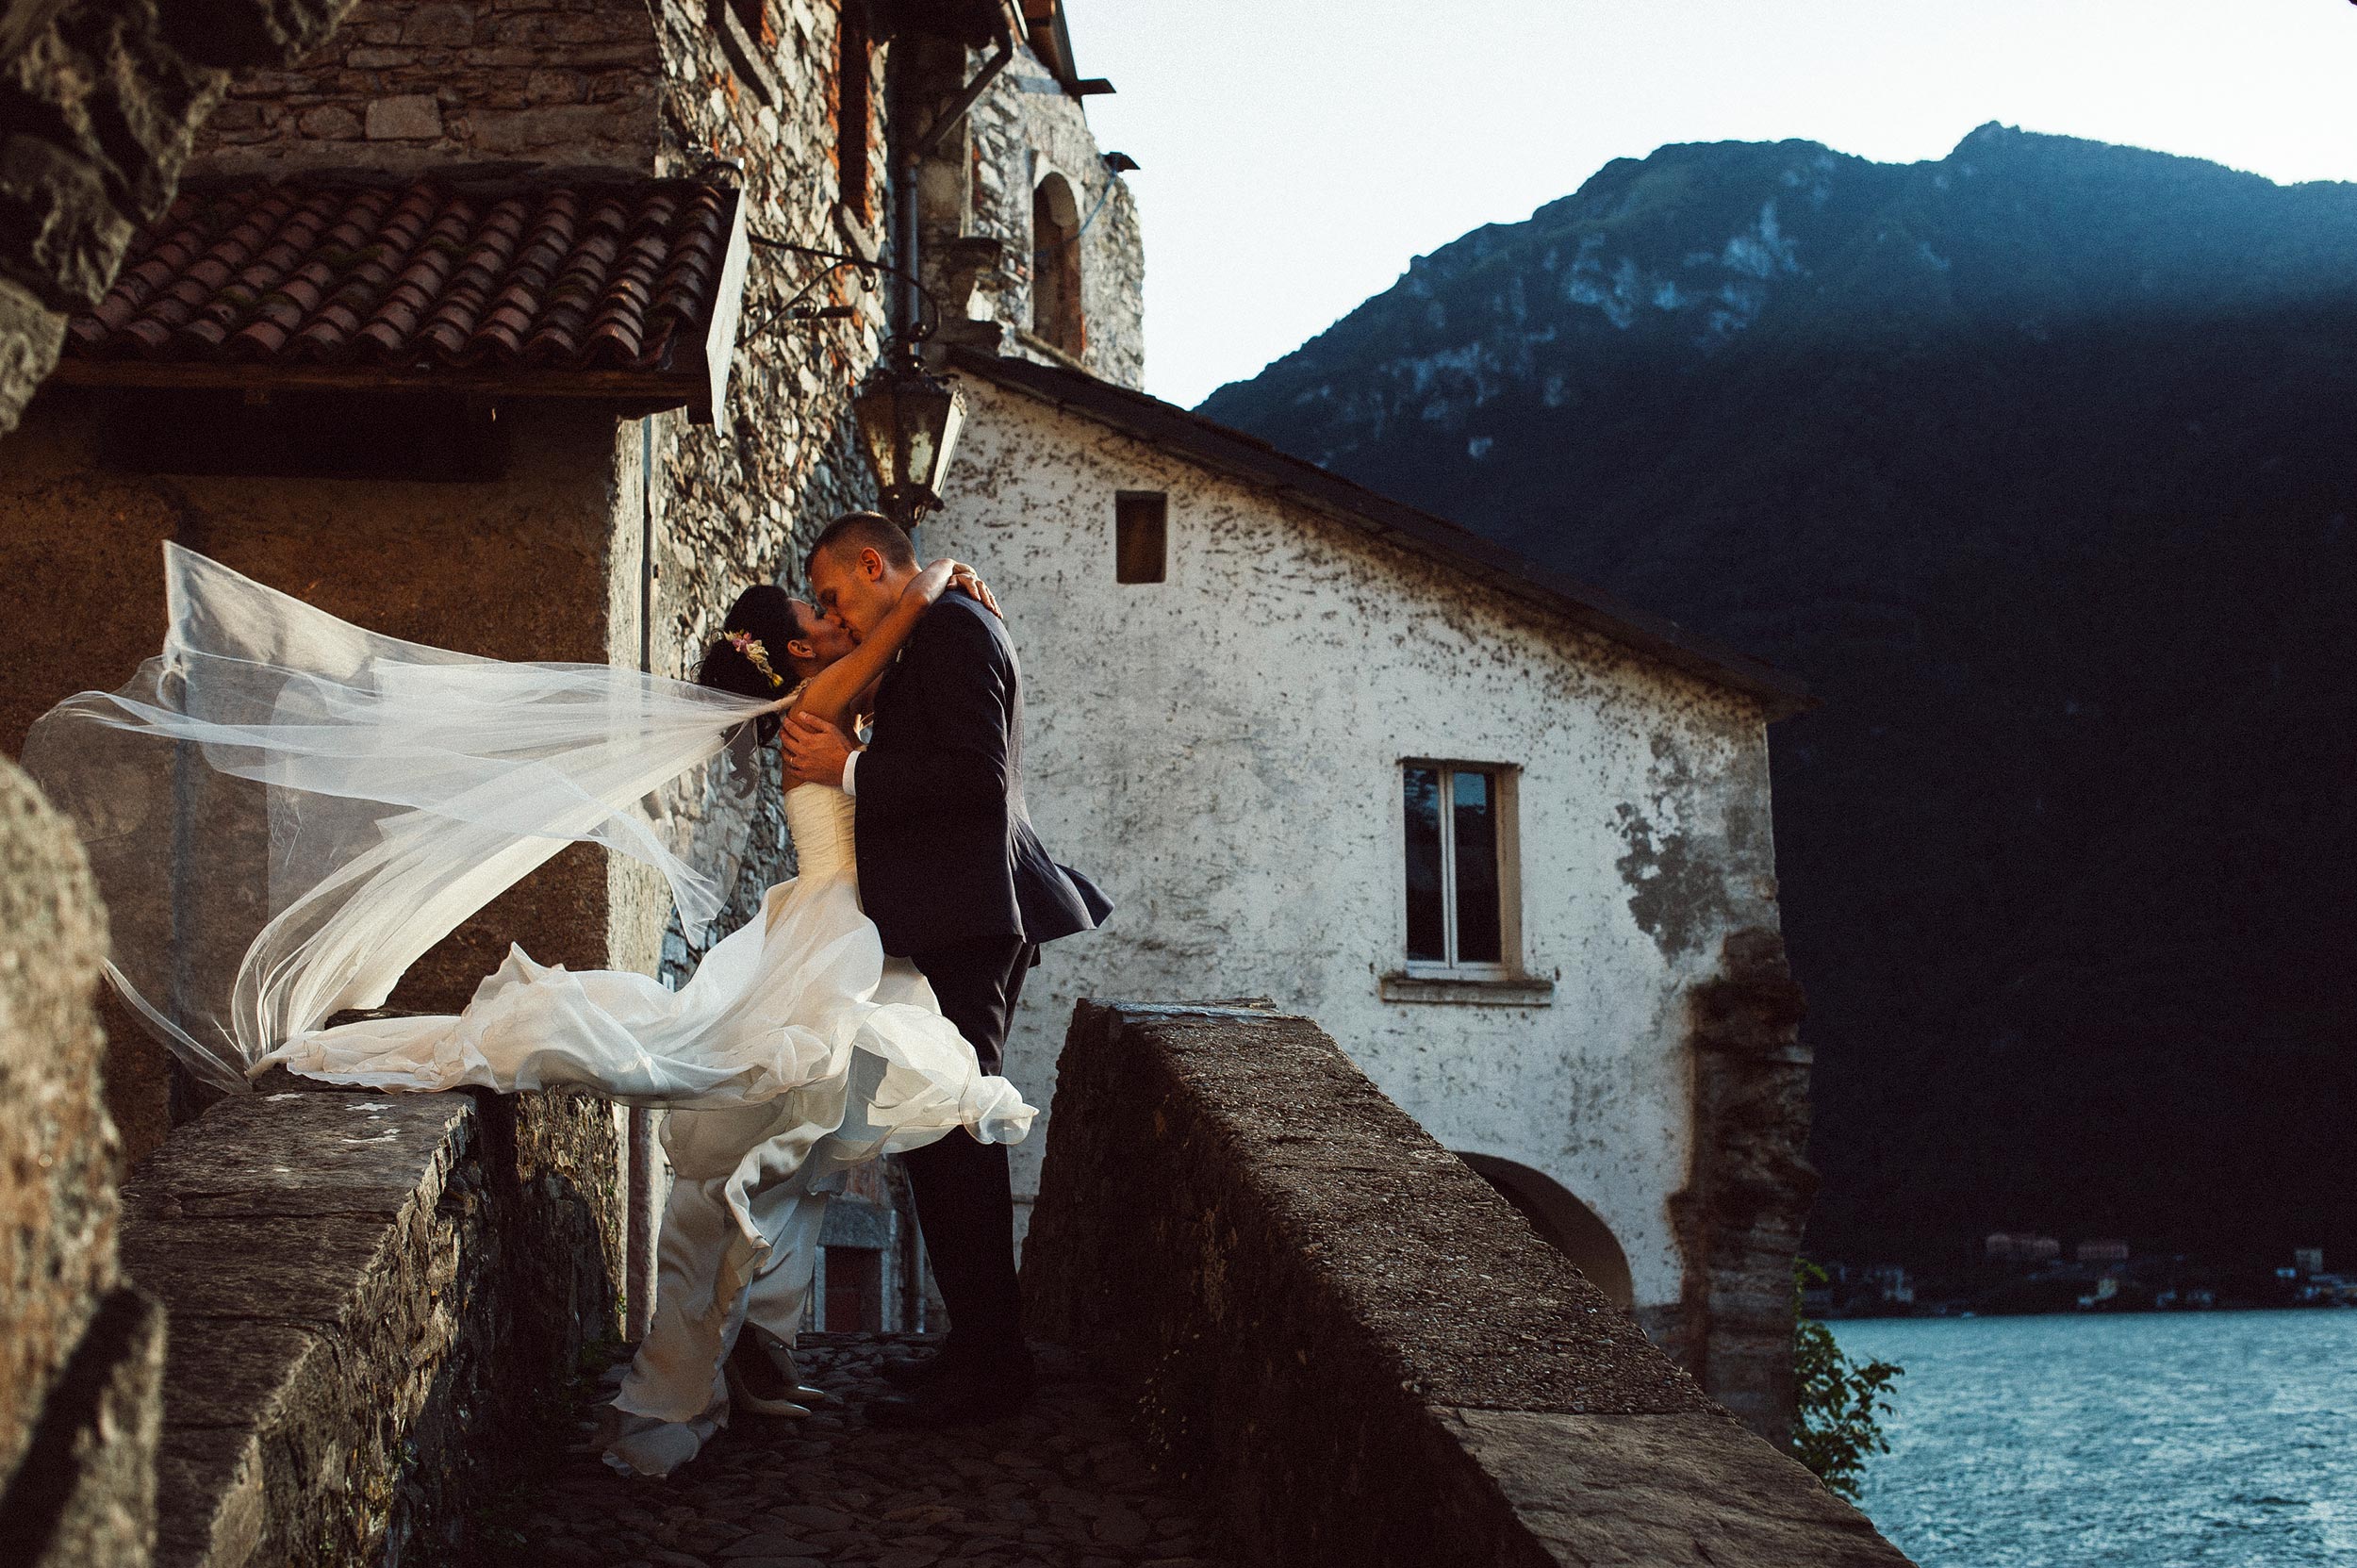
<point>781,1356</point>
<point>743,1399</point>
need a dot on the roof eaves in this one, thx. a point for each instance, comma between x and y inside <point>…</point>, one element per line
<point>620,291</point>
<point>1255,461</point>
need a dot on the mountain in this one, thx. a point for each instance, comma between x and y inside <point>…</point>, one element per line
<point>2038,462</point>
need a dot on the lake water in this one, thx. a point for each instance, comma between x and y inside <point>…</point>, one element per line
<point>2179,1440</point>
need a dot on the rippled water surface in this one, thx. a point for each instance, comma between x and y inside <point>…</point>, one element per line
<point>2144,1441</point>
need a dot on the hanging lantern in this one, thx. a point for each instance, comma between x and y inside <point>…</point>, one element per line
<point>909,422</point>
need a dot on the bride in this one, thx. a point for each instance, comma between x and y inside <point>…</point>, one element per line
<point>797,1051</point>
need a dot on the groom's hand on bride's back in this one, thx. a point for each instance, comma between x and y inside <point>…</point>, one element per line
<point>815,750</point>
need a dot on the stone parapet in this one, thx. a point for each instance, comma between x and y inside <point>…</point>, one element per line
<point>376,1303</point>
<point>1337,1327</point>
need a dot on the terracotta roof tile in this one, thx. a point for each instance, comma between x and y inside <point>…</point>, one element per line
<point>612,277</point>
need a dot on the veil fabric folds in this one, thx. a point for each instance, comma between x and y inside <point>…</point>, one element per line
<point>284,811</point>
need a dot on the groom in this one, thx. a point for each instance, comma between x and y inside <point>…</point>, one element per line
<point>957,882</point>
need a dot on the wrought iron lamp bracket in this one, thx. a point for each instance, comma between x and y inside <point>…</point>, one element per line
<point>923,328</point>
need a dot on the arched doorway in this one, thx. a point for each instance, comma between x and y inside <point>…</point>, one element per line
<point>1056,318</point>
<point>1569,1226</point>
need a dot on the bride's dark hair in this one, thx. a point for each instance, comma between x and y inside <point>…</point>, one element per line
<point>763,612</point>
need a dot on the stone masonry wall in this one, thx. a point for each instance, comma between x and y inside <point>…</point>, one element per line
<point>1333,1325</point>
<point>412,85</point>
<point>736,509</point>
<point>980,184</point>
<point>377,1303</point>
<point>1741,1212</point>
<point>374,1303</point>
<point>80,1353</point>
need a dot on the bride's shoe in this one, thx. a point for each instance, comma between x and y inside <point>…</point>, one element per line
<point>781,1358</point>
<point>744,1400</point>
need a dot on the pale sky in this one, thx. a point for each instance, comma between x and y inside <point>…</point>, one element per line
<point>1296,153</point>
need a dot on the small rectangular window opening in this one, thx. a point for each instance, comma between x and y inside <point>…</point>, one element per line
<point>853,61</point>
<point>1456,871</point>
<point>1141,537</point>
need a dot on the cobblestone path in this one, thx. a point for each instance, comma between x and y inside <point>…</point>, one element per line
<point>1062,1484</point>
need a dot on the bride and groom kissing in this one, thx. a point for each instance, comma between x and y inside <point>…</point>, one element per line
<point>862,1012</point>
<point>951,876</point>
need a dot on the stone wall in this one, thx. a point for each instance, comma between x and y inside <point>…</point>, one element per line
<point>1333,1325</point>
<point>979,185</point>
<point>1745,1204</point>
<point>741,509</point>
<point>412,85</point>
<point>80,1352</point>
<point>99,102</point>
<point>377,1304</point>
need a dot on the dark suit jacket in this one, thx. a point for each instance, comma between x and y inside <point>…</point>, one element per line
<point>947,855</point>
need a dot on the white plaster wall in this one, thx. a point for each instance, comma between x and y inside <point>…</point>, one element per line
<point>1222,751</point>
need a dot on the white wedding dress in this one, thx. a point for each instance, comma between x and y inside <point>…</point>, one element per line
<point>819,1052</point>
<point>328,802</point>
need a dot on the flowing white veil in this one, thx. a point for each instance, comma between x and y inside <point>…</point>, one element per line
<point>284,811</point>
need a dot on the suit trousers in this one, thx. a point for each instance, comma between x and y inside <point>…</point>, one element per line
<point>964,1197</point>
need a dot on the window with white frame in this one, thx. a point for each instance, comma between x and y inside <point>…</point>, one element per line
<point>1461,875</point>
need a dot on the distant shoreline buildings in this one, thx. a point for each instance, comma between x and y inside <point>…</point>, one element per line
<point>2019,1273</point>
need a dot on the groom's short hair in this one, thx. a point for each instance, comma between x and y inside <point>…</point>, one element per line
<point>856,530</point>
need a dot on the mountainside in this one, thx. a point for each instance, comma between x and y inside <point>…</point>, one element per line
<point>2037,461</point>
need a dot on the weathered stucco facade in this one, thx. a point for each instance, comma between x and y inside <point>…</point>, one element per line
<point>1223,750</point>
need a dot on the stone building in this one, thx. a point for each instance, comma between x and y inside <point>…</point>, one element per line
<point>1508,841</point>
<point>1252,688</point>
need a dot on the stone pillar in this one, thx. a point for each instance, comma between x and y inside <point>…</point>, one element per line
<point>1740,1214</point>
<point>81,1354</point>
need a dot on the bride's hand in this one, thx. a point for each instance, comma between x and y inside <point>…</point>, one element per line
<point>946,574</point>
<point>931,583</point>
<point>970,582</point>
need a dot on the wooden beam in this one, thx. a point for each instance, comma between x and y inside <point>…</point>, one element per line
<point>664,389</point>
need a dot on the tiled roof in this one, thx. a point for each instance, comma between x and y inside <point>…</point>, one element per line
<point>423,277</point>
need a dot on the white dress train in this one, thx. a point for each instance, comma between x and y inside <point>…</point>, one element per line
<point>797,1051</point>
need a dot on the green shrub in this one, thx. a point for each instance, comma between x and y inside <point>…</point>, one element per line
<point>1842,1403</point>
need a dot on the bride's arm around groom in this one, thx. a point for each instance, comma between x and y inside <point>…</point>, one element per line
<point>946,852</point>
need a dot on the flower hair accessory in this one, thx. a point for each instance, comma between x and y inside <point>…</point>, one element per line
<point>749,644</point>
